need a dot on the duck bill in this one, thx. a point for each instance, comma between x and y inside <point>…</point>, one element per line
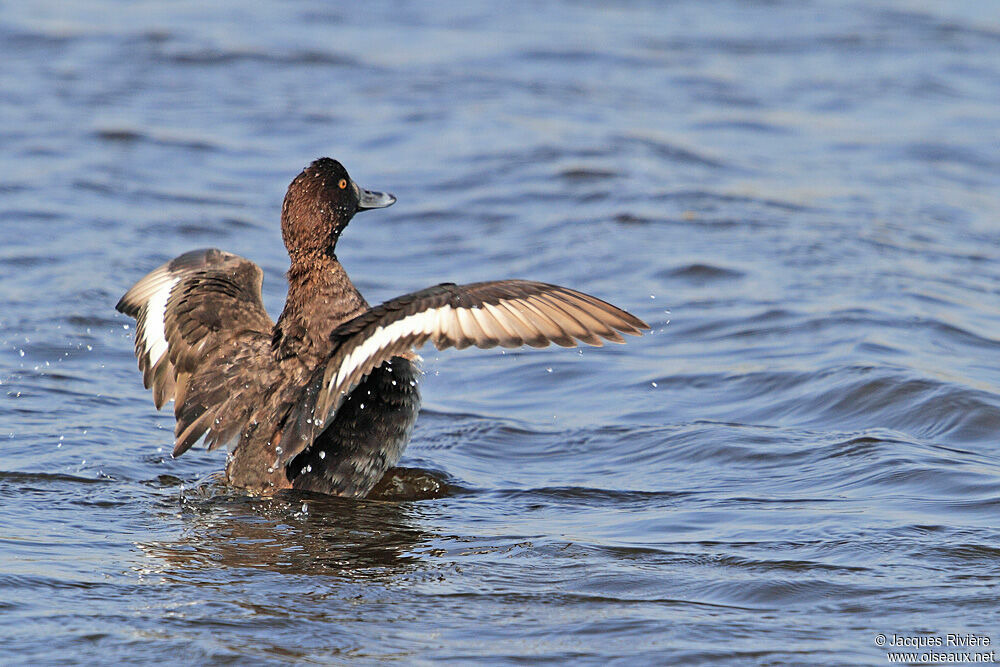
<point>369,199</point>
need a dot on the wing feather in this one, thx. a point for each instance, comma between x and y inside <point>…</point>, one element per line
<point>200,322</point>
<point>588,321</point>
<point>535,337</point>
<point>556,334</point>
<point>473,330</point>
<point>514,333</point>
<point>570,324</point>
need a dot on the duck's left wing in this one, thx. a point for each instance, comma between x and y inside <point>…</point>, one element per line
<point>509,313</point>
<point>201,326</point>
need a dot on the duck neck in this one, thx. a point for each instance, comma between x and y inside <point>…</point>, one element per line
<point>321,296</point>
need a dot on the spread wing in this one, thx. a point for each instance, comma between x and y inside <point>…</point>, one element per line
<point>509,313</point>
<point>200,325</point>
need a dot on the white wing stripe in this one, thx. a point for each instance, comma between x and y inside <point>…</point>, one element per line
<point>155,342</point>
<point>423,322</point>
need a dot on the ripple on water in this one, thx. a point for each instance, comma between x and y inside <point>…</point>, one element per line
<point>700,274</point>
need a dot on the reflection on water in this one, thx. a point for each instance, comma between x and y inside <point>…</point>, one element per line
<point>300,534</point>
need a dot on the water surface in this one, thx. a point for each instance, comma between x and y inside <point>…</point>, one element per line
<point>800,198</point>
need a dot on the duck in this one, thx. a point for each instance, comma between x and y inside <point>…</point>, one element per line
<point>325,398</point>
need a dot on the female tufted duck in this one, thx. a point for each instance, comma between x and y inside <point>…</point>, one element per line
<point>325,398</point>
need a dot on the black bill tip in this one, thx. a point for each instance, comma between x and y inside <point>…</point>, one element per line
<point>370,199</point>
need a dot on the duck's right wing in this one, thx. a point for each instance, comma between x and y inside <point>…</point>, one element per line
<point>200,326</point>
<point>509,313</point>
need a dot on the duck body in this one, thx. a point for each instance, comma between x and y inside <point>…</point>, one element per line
<point>349,456</point>
<point>370,430</point>
<point>324,399</point>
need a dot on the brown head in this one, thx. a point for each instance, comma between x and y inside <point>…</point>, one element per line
<point>319,204</point>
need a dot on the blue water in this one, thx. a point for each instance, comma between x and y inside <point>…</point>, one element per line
<point>801,198</point>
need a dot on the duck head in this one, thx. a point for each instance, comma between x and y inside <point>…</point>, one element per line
<point>318,205</point>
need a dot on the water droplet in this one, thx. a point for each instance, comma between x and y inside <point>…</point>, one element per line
<point>322,454</point>
<point>309,468</point>
<point>653,383</point>
<point>21,352</point>
<point>548,369</point>
<point>270,469</point>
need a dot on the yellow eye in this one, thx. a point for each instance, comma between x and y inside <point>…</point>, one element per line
<point>343,183</point>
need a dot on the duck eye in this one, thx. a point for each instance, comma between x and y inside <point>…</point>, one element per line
<point>343,183</point>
